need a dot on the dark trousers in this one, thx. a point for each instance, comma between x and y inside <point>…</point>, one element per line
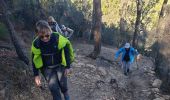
<point>126,66</point>
<point>57,82</point>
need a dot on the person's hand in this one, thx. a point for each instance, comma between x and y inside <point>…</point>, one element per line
<point>68,72</point>
<point>38,81</point>
<point>138,57</point>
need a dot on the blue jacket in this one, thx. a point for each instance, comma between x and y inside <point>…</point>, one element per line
<point>132,53</point>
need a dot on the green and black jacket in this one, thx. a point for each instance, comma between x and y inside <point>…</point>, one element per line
<point>58,50</point>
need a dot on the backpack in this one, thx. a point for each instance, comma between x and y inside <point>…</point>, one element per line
<point>127,56</point>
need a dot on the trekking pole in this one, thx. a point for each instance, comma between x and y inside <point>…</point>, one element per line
<point>136,64</point>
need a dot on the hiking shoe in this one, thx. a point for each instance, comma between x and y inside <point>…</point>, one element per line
<point>67,97</point>
<point>125,74</point>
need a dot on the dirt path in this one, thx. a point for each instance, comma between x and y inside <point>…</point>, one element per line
<point>92,79</point>
<point>102,80</point>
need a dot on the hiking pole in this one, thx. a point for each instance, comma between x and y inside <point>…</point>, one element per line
<point>136,64</point>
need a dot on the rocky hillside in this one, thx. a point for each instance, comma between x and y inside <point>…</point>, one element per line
<point>100,79</point>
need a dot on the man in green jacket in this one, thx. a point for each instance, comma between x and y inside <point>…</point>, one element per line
<point>52,55</point>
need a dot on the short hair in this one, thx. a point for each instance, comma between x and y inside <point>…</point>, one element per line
<point>42,26</point>
<point>51,19</point>
<point>63,27</point>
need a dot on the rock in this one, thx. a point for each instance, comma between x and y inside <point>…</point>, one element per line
<point>2,93</point>
<point>97,77</point>
<point>99,84</point>
<point>167,97</point>
<point>152,72</point>
<point>155,90</point>
<point>157,83</point>
<point>91,66</point>
<point>79,65</point>
<point>76,61</point>
<point>77,49</point>
<point>87,76</point>
<point>102,71</point>
<point>112,81</point>
<point>159,98</point>
<point>79,56</point>
<point>147,93</point>
<point>157,95</point>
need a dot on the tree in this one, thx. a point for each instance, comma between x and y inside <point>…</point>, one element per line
<point>161,37</point>
<point>159,28</point>
<point>13,36</point>
<point>162,13</point>
<point>41,10</point>
<point>123,23</point>
<point>137,23</point>
<point>96,28</point>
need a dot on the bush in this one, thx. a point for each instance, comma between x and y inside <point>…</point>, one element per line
<point>3,32</point>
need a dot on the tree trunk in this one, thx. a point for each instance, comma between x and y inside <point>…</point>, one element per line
<point>159,29</point>
<point>41,10</point>
<point>96,28</point>
<point>123,24</point>
<point>32,4</point>
<point>138,21</point>
<point>162,13</point>
<point>157,49</point>
<point>13,36</point>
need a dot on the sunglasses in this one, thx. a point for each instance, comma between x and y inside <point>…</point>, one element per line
<point>51,23</point>
<point>43,36</point>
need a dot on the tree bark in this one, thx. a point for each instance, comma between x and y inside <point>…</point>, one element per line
<point>96,28</point>
<point>41,10</point>
<point>137,23</point>
<point>163,9</point>
<point>13,36</point>
<point>158,35</point>
<point>159,29</point>
<point>123,24</point>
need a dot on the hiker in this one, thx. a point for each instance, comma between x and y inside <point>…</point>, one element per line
<point>52,55</point>
<point>54,25</point>
<point>128,55</point>
<point>67,32</point>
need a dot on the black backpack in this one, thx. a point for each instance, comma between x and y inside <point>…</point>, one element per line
<point>127,56</point>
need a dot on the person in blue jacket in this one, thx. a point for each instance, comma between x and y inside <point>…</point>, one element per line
<point>128,56</point>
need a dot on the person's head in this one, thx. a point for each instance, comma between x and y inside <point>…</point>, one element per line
<point>51,19</point>
<point>43,30</point>
<point>63,27</point>
<point>127,46</point>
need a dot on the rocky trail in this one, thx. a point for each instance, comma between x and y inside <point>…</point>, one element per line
<point>100,79</point>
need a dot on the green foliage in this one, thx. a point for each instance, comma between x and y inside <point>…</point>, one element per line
<point>150,13</point>
<point>77,14</point>
<point>3,31</point>
<point>110,10</point>
<point>84,7</point>
<point>109,35</point>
